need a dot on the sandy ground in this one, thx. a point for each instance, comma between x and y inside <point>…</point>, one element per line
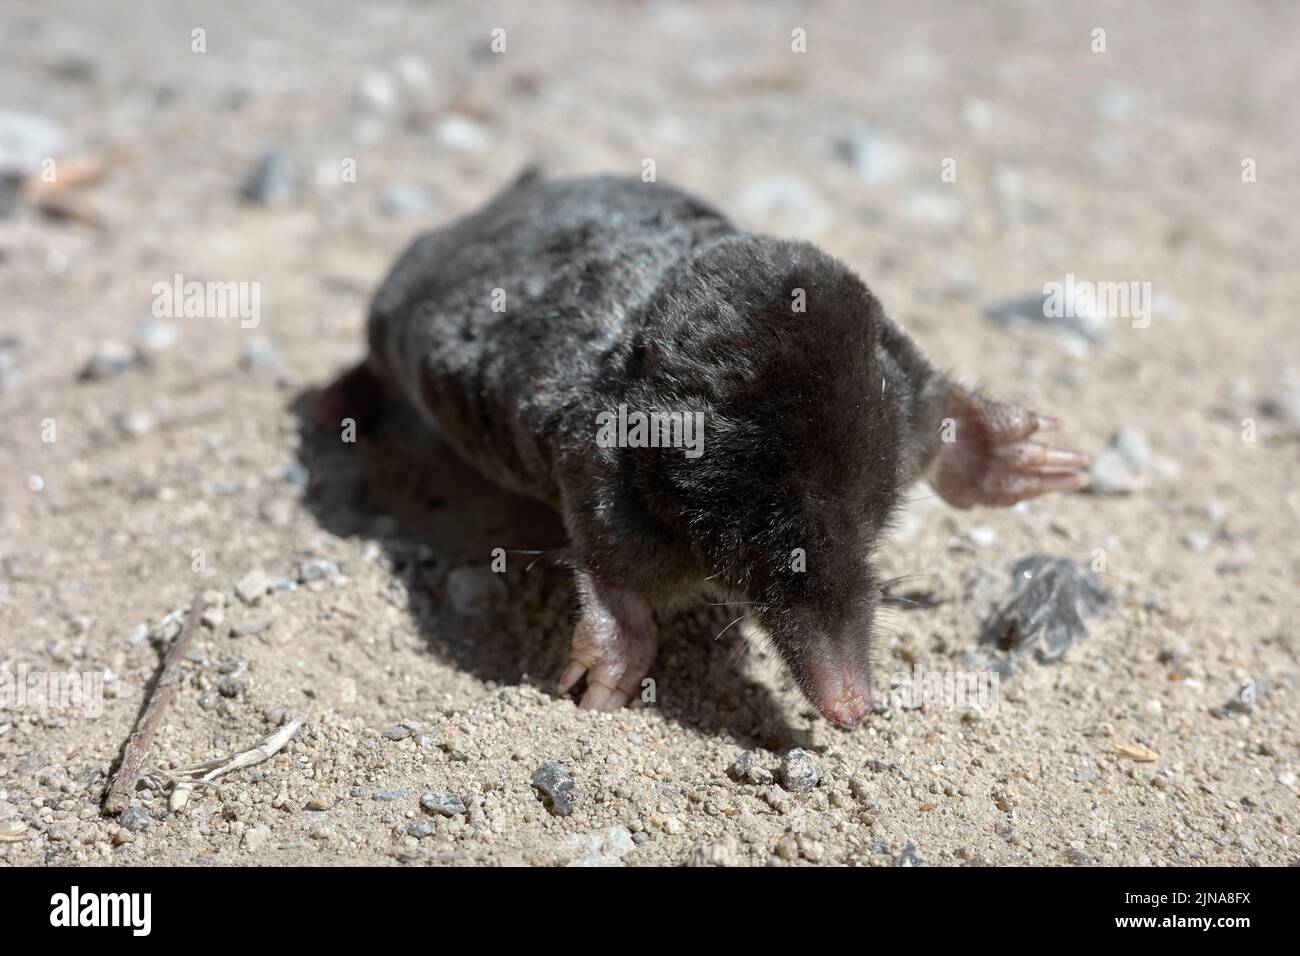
<point>425,673</point>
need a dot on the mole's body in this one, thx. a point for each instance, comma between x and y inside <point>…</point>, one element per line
<point>790,414</point>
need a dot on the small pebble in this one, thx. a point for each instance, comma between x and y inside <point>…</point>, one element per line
<point>270,181</point>
<point>320,570</point>
<point>255,837</point>
<point>135,818</point>
<point>801,771</point>
<point>556,786</point>
<point>258,354</point>
<point>1122,466</point>
<point>109,360</point>
<point>909,857</point>
<point>154,336</point>
<point>463,135</point>
<point>404,200</point>
<point>253,586</point>
<point>250,628</point>
<point>447,804</point>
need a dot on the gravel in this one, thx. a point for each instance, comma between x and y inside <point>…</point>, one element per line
<point>557,788</point>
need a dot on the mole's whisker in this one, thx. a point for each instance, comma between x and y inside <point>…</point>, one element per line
<point>725,629</point>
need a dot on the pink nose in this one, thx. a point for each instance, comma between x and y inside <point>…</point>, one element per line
<point>839,681</point>
<point>846,710</point>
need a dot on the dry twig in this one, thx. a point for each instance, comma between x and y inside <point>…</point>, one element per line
<point>120,790</point>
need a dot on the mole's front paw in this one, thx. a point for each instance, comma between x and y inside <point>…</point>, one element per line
<point>987,457</point>
<point>614,644</point>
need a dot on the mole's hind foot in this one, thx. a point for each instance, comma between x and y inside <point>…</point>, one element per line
<point>614,644</point>
<point>988,458</point>
<point>356,395</point>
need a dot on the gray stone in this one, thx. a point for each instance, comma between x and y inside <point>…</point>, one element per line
<point>250,628</point>
<point>109,360</point>
<point>136,424</point>
<point>909,857</point>
<point>253,586</point>
<point>405,200</point>
<point>461,134</point>
<point>154,336</point>
<point>378,91</point>
<point>318,570</point>
<point>1122,466</point>
<point>296,474</point>
<point>135,818</point>
<point>801,771</point>
<point>722,853</point>
<point>258,354</point>
<point>420,828</point>
<point>255,837</point>
<point>558,789</point>
<point>604,848</point>
<point>1049,601</point>
<point>270,181</point>
<point>1284,405</point>
<point>27,140</point>
<point>746,770</point>
<point>447,804</point>
<point>397,732</point>
<point>875,157</point>
<point>233,687</point>
<point>1082,318</point>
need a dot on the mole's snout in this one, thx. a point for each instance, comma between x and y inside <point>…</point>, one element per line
<point>839,683</point>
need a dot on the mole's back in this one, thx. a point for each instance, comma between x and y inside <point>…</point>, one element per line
<point>493,324</point>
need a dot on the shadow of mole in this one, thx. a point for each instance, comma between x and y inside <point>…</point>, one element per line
<point>401,485</point>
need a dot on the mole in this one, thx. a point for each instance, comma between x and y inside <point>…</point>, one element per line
<point>715,414</point>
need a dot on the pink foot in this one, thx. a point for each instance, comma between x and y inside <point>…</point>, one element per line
<point>614,644</point>
<point>988,458</point>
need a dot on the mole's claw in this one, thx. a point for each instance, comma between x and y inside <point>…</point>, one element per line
<point>572,674</point>
<point>1033,456</point>
<point>602,698</point>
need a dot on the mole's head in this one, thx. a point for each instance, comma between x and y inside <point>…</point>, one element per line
<point>799,470</point>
